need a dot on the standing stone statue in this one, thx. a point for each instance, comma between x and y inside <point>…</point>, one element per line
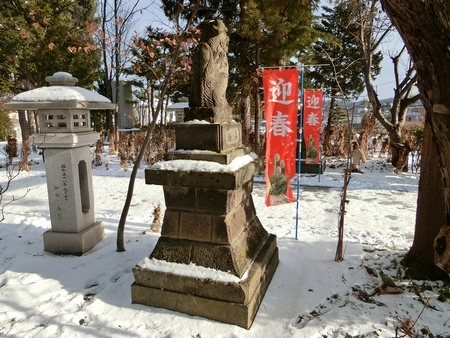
<point>210,219</point>
<point>209,80</point>
<point>208,102</point>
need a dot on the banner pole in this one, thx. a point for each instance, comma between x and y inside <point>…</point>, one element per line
<point>321,143</point>
<point>299,164</point>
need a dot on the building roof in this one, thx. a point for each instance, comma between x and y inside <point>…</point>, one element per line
<point>178,106</point>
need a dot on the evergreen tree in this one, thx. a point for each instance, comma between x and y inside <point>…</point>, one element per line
<point>339,54</point>
<point>6,126</point>
<point>340,61</point>
<point>41,37</point>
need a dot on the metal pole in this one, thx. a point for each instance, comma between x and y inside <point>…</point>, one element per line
<point>320,142</point>
<point>300,136</point>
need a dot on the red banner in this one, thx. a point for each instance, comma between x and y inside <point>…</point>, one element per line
<point>281,106</point>
<point>312,123</point>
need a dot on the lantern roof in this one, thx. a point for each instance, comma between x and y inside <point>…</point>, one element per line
<point>61,94</point>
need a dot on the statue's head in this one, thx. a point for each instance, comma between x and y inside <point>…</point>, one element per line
<point>212,28</point>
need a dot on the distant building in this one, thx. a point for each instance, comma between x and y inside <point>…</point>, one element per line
<point>415,116</point>
<point>178,109</point>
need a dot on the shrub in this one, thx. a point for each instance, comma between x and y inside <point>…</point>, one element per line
<point>6,126</point>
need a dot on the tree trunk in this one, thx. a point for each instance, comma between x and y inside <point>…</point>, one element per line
<point>429,216</point>
<point>31,122</point>
<point>257,121</point>
<point>427,43</point>
<point>112,137</point>
<point>245,108</point>
<point>25,151</point>
<point>397,148</point>
<point>36,122</point>
<point>257,108</point>
<point>328,130</point>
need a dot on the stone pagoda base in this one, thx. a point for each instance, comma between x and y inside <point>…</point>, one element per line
<point>210,220</point>
<point>231,303</point>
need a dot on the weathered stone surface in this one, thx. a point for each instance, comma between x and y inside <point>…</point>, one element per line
<point>65,140</point>
<point>226,228</point>
<point>157,176</point>
<point>195,226</point>
<point>243,250</point>
<point>234,292</point>
<point>208,136</point>
<point>214,200</point>
<point>171,223</point>
<point>218,257</point>
<point>74,243</point>
<point>234,257</point>
<point>172,250</point>
<point>233,303</point>
<point>207,288</point>
<point>224,157</point>
<point>71,210</point>
<point>209,78</point>
<point>204,199</point>
<point>221,200</point>
<point>181,198</point>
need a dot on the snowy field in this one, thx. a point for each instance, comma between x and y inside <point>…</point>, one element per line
<point>310,296</point>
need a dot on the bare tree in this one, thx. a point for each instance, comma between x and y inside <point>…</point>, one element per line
<point>374,28</point>
<point>179,42</point>
<point>404,97</point>
<point>339,256</point>
<point>11,172</point>
<point>115,37</point>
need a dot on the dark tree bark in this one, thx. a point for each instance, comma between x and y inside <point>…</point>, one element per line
<point>328,130</point>
<point>429,218</point>
<point>25,151</point>
<point>32,122</point>
<point>424,27</point>
<point>245,109</point>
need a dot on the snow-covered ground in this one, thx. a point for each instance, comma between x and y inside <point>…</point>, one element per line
<point>311,295</point>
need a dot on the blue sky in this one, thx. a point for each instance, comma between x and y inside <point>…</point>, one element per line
<point>384,82</point>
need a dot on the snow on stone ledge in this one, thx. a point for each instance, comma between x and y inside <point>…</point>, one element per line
<point>190,270</point>
<point>195,121</point>
<point>60,93</point>
<point>207,166</point>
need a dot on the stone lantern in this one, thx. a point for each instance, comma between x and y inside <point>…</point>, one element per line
<point>65,136</point>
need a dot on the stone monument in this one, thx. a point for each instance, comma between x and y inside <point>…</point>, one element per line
<point>210,219</point>
<point>208,103</point>
<point>65,136</point>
